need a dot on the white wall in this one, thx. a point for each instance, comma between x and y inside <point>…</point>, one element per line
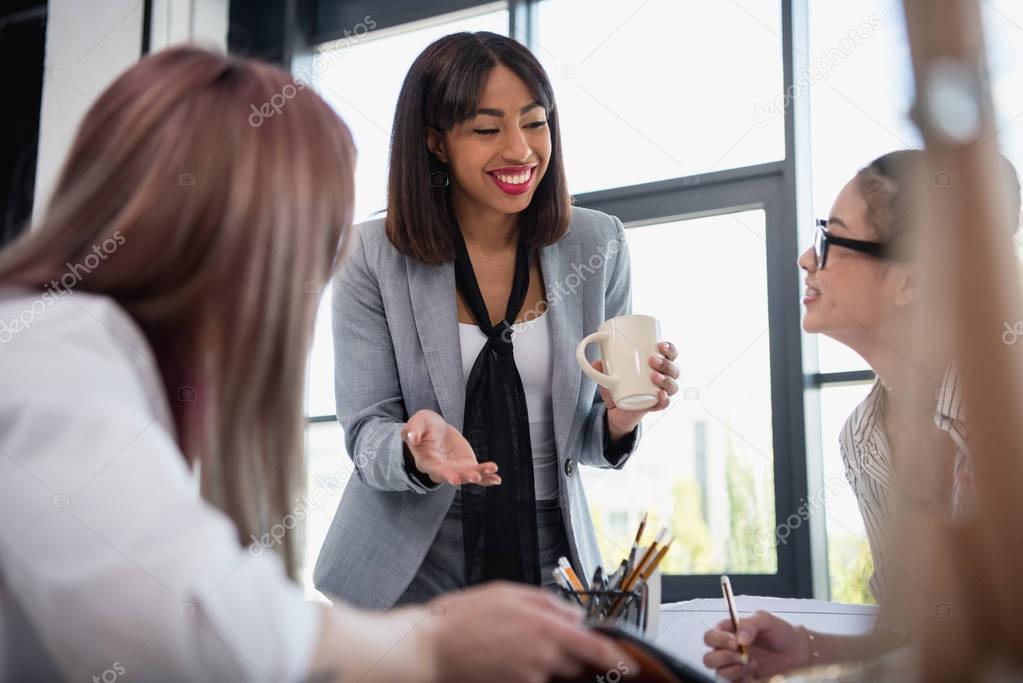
<point>200,21</point>
<point>88,44</point>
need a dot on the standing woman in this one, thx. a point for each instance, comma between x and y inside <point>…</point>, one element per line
<point>459,314</point>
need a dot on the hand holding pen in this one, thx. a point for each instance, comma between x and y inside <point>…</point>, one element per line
<point>756,647</point>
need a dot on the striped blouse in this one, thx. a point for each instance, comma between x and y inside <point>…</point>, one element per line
<point>869,467</point>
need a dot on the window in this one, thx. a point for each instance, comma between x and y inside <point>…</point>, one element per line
<point>848,552</point>
<point>705,467</point>
<point>856,116</point>
<point>365,98</point>
<point>674,118</point>
<point>653,90</point>
<point>361,79</point>
<point>702,190</point>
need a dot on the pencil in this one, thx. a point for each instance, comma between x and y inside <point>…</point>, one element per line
<point>726,588</point>
<point>634,575</point>
<point>652,567</point>
<point>639,532</point>
<point>650,552</point>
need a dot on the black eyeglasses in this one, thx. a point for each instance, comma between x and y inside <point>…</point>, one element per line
<point>823,239</point>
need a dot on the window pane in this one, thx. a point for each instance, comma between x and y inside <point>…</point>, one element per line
<point>328,471</point>
<point>361,80</point>
<point>833,356</point>
<point>365,98</point>
<point>849,562</point>
<point>662,88</point>
<point>860,99</point>
<point>705,467</point>
<point>319,397</point>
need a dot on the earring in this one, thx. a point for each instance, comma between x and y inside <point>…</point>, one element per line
<point>439,179</point>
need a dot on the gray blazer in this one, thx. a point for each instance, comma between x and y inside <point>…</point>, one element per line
<point>397,351</point>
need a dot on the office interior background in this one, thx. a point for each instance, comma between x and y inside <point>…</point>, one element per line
<point>716,130</point>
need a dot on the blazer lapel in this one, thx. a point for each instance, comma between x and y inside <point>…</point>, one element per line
<point>565,309</point>
<point>432,292</point>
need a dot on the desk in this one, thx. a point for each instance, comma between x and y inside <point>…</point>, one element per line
<point>682,624</point>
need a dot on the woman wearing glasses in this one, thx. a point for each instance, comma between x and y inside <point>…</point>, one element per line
<point>861,289</point>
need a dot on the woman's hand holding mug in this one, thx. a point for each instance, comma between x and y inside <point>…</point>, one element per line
<point>443,454</point>
<point>627,344</point>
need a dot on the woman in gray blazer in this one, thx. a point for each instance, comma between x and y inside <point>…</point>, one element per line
<point>455,325</point>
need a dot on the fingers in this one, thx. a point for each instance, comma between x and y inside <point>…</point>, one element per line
<point>719,659</point>
<point>664,382</point>
<point>663,401</point>
<point>669,350</point>
<point>734,672</point>
<point>558,621</point>
<point>461,475</point>
<point>591,648</point>
<point>665,366</point>
<point>750,627</point>
<point>720,640</point>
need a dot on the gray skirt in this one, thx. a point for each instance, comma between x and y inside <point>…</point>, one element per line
<point>443,568</point>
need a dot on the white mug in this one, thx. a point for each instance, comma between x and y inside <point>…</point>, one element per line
<point>626,344</point>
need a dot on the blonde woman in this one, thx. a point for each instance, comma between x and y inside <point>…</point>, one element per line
<point>155,325</point>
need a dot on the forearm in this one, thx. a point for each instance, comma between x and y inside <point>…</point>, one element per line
<point>601,441</point>
<point>371,647</point>
<point>380,457</point>
<point>832,648</point>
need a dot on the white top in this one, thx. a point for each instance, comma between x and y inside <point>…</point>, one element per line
<point>110,562</point>
<point>532,344</point>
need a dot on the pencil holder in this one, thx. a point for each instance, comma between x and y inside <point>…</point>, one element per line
<point>613,606</point>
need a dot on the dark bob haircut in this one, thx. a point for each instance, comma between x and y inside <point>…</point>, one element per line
<point>441,90</point>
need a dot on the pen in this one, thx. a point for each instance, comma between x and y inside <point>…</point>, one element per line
<point>573,580</point>
<point>726,588</point>
<point>619,575</point>
<point>562,581</point>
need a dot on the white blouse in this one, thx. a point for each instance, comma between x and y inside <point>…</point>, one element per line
<point>532,344</point>
<point>111,564</point>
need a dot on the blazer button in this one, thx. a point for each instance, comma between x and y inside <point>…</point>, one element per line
<point>569,467</point>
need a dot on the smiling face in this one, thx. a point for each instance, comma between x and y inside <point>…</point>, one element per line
<point>855,296</point>
<point>497,158</point>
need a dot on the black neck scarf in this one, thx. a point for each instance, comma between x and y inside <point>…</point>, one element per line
<point>498,522</point>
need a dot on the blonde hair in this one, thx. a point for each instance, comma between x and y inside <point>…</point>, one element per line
<point>227,226</point>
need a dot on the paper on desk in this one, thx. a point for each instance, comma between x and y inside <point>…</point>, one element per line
<point>682,624</point>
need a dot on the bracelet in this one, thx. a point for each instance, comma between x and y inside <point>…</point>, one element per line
<point>812,654</point>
